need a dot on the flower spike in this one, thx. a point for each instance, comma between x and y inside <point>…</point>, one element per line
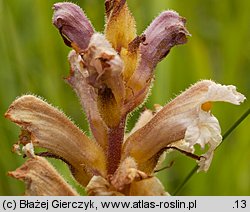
<point>111,74</point>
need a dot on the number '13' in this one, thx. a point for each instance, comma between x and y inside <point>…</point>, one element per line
<point>241,203</point>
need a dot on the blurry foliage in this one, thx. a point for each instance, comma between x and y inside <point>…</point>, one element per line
<point>34,60</point>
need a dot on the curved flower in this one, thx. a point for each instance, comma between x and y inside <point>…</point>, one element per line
<point>186,117</point>
<point>111,74</point>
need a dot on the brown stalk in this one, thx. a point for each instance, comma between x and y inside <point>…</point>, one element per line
<point>115,139</point>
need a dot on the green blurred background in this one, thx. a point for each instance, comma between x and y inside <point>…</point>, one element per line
<point>34,60</point>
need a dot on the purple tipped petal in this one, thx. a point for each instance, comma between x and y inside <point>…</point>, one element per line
<point>73,25</point>
<point>166,31</point>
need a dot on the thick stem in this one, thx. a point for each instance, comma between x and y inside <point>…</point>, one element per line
<point>115,139</point>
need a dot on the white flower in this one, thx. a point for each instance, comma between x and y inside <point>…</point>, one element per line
<point>183,123</point>
<point>205,129</point>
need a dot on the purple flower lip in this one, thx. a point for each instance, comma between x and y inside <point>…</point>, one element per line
<point>73,25</point>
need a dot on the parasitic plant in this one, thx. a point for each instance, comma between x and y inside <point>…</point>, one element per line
<point>111,74</point>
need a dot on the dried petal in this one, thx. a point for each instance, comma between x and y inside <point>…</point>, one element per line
<point>178,118</point>
<point>98,186</point>
<point>104,67</point>
<point>16,149</point>
<point>74,26</point>
<point>166,31</point>
<point>87,97</point>
<point>51,129</point>
<point>147,187</point>
<point>127,173</point>
<point>28,150</point>
<point>42,179</point>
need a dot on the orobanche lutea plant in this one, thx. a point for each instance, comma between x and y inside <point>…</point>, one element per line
<point>111,74</point>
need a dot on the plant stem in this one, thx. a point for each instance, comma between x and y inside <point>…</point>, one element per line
<point>115,139</point>
<point>236,124</point>
<point>187,178</point>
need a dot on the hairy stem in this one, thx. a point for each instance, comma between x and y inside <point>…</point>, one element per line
<point>115,139</point>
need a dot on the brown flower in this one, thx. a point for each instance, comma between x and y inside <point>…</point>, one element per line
<point>111,74</point>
